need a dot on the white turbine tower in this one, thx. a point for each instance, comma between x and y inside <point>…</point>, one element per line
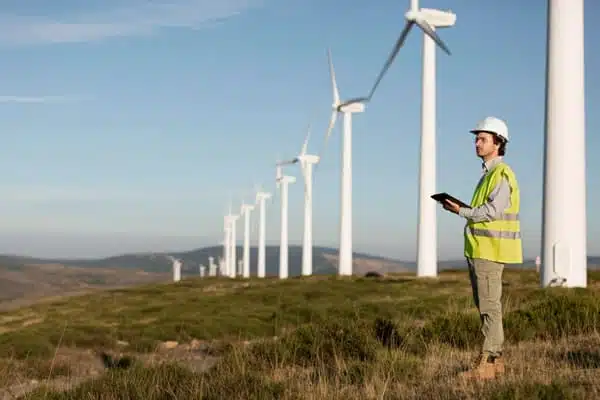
<point>246,212</point>
<point>428,20</point>
<point>261,197</point>
<point>211,263</point>
<point>306,165</point>
<point>226,260</point>
<point>282,182</point>
<point>176,268</point>
<point>202,271</point>
<point>347,108</point>
<point>564,241</point>
<point>233,245</point>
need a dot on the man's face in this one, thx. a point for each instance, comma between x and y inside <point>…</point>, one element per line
<point>484,144</point>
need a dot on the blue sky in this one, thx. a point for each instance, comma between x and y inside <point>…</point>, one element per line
<point>127,124</point>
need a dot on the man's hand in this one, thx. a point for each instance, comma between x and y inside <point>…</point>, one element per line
<point>451,206</point>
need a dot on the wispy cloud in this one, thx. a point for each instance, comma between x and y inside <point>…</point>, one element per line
<point>135,18</point>
<point>34,99</point>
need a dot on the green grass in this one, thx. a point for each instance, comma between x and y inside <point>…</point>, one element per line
<point>321,337</point>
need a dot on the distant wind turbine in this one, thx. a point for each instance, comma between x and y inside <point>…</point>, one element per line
<point>176,268</point>
<point>261,197</point>
<point>227,222</point>
<point>233,245</point>
<point>282,182</point>
<point>347,108</point>
<point>306,166</point>
<point>211,263</point>
<point>246,211</point>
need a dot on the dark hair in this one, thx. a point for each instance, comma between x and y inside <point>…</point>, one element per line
<point>502,143</point>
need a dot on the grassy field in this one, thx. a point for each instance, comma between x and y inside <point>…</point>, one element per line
<point>316,338</point>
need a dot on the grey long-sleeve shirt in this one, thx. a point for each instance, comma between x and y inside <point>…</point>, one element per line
<point>497,201</point>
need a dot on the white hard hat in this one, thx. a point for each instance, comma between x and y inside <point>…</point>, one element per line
<point>492,125</point>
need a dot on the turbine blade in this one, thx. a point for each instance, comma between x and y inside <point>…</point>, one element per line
<point>327,135</point>
<point>336,93</point>
<point>257,190</point>
<point>330,128</point>
<point>392,56</point>
<point>429,31</point>
<point>305,145</point>
<point>414,5</point>
<point>288,162</point>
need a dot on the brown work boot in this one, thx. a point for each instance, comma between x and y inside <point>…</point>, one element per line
<point>485,366</point>
<point>498,362</point>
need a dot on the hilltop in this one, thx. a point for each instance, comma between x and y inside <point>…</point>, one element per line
<point>396,337</point>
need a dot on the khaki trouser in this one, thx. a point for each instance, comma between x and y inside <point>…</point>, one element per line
<point>486,281</point>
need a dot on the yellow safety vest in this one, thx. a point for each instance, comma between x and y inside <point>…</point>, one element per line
<point>498,240</point>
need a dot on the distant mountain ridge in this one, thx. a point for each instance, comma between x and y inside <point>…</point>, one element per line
<point>158,262</point>
<point>324,261</point>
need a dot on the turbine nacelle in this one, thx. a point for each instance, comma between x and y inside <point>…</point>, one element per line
<point>287,179</point>
<point>308,159</point>
<point>436,18</point>
<point>353,107</point>
<point>246,208</point>
<point>263,196</point>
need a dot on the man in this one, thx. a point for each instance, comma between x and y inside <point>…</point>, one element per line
<point>492,239</point>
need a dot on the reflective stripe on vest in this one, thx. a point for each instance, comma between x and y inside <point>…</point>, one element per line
<point>498,240</point>
<point>494,234</point>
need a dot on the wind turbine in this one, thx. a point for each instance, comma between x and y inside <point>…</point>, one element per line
<point>176,268</point>
<point>246,211</point>
<point>428,20</point>
<point>306,165</point>
<point>564,241</point>
<point>347,108</point>
<point>211,263</point>
<point>282,182</point>
<point>261,197</point>
<point>226,260</point>
<point>233,245</point>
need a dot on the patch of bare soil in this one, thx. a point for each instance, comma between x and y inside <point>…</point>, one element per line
<point>198,356</point>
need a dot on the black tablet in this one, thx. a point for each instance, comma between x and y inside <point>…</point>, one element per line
<point>441,197</point>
